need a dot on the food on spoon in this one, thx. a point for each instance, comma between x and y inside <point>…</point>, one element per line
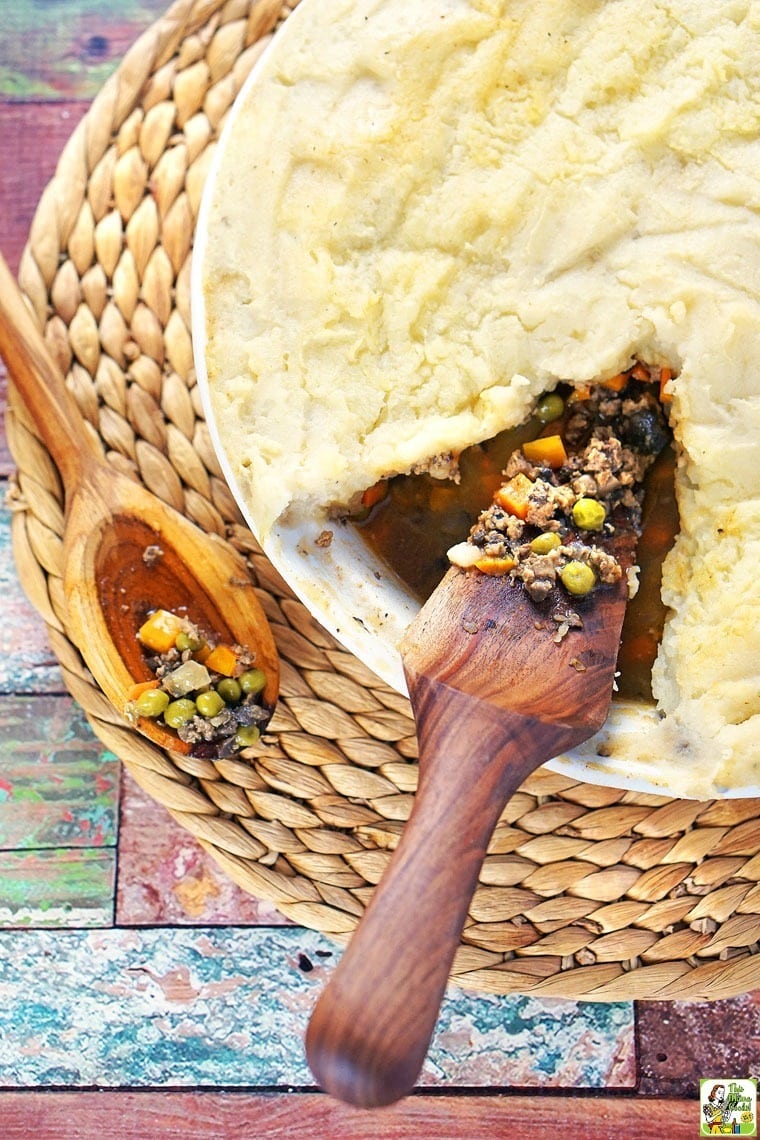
<point>209,694</point>
<point>459,205</point>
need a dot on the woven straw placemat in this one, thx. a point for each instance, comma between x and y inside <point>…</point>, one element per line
<point>587,892</point>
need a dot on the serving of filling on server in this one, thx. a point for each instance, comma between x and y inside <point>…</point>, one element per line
<point>564,487</point>
<point>588,456</point>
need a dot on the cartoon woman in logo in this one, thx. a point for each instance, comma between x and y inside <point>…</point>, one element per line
<point>718,1111</point>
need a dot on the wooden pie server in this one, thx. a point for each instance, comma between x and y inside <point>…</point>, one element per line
<point>494,696</point>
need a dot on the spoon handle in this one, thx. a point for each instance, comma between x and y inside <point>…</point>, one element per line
<point>371,1027</point>
<point>40,383</point>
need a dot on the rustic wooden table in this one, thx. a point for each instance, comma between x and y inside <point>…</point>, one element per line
<point>141,993</point>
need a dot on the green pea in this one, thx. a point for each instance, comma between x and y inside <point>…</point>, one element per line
<point>544,543</point>
<point>252,682</point>
<point>152,703</point>
<point>550,407</point>
<point>229,690</point>
<point>179,712</point>
<point>210,703</point>
<point>247,735</point>
<point>589,514</point>
<point>578,578</point>
<point>184,641</point>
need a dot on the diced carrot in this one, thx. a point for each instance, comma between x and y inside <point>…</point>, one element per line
<point>160,631</point>
<point>665,377</point>
<point>496,567</point>
<point>578,395</point>
<point>548,451</point>
<point>641,372</point>
<point>616,383</point>
<point>142,687</point>
<point>375,494</point>
<point>513,495</point>
<point>222,659</point>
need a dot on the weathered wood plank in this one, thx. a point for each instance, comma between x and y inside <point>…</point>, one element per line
<point>59,792</point>
<point>166,877</point>
<point>67,48</point>
<point>683,1042</point>
<point>7,466</point>
<point>57,888</point>
<point>31,140</point>
<point>27,663</point>
<point>58,786</point>
<point>196,1116</point>
<point>228,1007</point>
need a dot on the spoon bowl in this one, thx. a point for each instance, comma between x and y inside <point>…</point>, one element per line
<point>125,551</point>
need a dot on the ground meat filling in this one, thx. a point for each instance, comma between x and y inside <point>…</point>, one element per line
<point>563,489</point>
<point>211,695</point>
<point>223,727</point>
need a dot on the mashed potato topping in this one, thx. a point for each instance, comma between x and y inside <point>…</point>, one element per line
<point>431,211</point>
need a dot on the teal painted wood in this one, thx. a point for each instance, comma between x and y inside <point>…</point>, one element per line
<point>59,795</point>
<point>27,663</point>
<point>65,49</point>
<point>58,887</point>
<point>59,787</point>
<point>228,1007</point>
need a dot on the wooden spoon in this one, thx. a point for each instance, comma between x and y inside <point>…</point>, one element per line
<point>125,551</point>
<point>493,698</point>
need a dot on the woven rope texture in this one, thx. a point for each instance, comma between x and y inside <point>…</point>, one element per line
<point>586,892</point>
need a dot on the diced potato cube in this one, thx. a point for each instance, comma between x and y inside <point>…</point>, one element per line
<point>160,631</point>
<point>186,678</point>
